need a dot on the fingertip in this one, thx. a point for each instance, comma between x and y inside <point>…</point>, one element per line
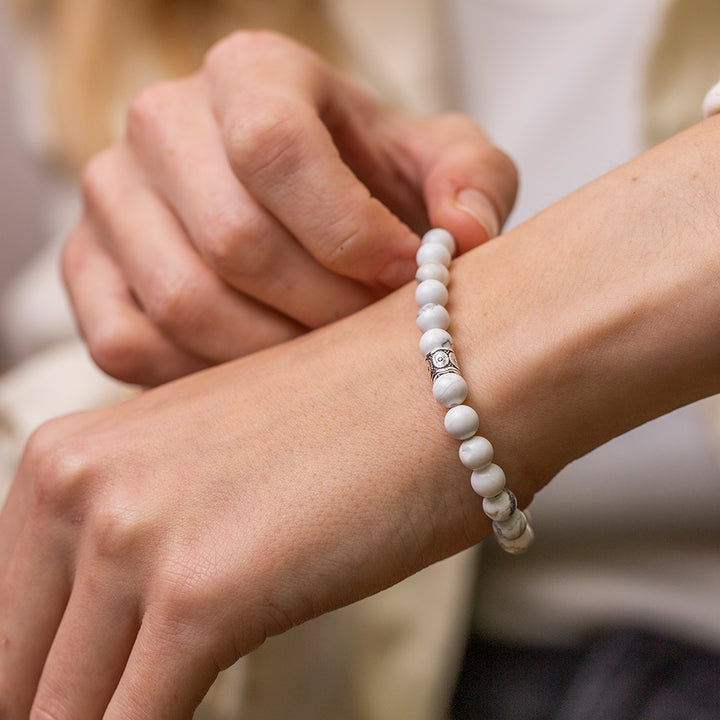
<point>397,273</point>
<point>469,216</point>
<point>480,208</point>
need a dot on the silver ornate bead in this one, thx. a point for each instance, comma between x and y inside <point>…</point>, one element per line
<point>440,361</point>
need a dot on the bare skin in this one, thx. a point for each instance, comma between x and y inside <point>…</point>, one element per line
<point>144,547</point>
<point>261,197</point>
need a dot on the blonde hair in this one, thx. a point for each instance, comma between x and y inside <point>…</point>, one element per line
<point>97,54</point>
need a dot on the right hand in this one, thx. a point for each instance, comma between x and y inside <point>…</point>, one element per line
<point>261,197</point>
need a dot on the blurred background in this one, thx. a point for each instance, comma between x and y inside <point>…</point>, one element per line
<point>26,186</point>
<point>639,71</point>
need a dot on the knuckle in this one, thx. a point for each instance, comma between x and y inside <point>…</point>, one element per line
<point>243,44</point>
<point>186,603</point>
<point>116,534</point>
<point>61,474</point>
<point>236,245</point>
<point>267,139</point>
<point>43,440</point>
<point>220,237</point>
<point>224,50</point>
<point>174,303</point>
<point>148,108</point>
<point>114,348</point>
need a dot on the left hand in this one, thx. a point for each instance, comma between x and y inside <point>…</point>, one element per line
<point>146,546</point>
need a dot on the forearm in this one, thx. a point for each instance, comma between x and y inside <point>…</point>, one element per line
<point>210,512</point>
<point>598,314</point>
<point>588,320</point>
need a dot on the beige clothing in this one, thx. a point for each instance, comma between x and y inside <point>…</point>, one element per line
<point>393,655</point>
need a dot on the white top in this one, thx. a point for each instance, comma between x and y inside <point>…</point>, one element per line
<point>630,533</point>
<point>557,83</point>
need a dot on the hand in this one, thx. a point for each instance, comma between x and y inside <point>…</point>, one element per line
<point>263,196</point>
<point>146,546</point>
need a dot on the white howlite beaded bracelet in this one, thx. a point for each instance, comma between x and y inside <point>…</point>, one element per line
<point>511,526</point>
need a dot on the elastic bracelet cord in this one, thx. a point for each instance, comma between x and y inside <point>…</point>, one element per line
<point>511,526</point>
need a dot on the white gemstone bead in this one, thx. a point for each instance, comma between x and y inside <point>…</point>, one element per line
<point>432,316</point>
<point>476,453</point>
<point>450,389</point>
<point>433,271</point>
<point>433,253</point>
<point>518,545</point>
<point>439,235</point>
<point>433,339</point>
<point>461,422</point>
<point>512,528</point>
<point>431,291</point>
<point>488,481</point>
<point>500,507</point>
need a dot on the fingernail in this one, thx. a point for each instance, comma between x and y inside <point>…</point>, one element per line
<point>397,273</point>
<point>477,204</point>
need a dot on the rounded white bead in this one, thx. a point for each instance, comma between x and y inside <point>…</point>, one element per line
<point>433,339</point>
<point>433,271</point>
<point>476,453</point>
<point>461,422</point>
<point>488,481</point>
<point>431,291</point>
<point>432,316</point>
<point>439,235</point>
<point>433,253</point>
<point>512,528</point>
<point>518,545</point>
<point>450,389</point>
<point>501,506</point>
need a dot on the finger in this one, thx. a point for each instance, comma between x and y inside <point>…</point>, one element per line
<point>121,338</point>
<point>41,443</point>
<point>12,518</point>
<point>90,650</point>
<point>165,677</point>
<point>282,152</point>
<point>178,292</point>
<point>237,237</point>
<point>468,183</point>
<point>33,593</point>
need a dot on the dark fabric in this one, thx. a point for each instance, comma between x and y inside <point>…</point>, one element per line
<point>623,675</point>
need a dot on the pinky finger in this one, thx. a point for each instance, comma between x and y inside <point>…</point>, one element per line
<point>121,338</point>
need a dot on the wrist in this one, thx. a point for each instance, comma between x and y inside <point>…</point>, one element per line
<point>597,315</point>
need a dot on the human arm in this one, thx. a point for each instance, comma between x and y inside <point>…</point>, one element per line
<point>263,196</point>
<point>234,503</point>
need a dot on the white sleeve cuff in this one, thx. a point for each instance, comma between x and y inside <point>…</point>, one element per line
<point>711,103</point>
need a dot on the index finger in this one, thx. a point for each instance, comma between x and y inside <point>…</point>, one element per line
<point>270,96</point>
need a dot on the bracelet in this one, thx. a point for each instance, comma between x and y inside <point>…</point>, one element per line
<point>511,526</point>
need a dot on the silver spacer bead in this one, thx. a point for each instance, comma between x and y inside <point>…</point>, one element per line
<point>440,361</point>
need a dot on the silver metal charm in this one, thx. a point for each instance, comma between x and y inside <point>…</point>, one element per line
<point>441,361</point>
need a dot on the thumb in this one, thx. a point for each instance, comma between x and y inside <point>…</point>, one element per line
<point>469,185</point>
